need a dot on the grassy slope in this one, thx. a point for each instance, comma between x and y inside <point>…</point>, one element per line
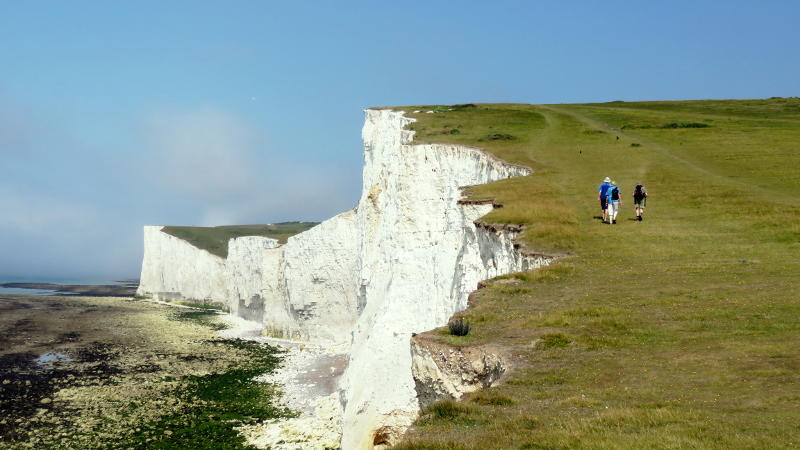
<point>679,331</point>
<point>215,239</point>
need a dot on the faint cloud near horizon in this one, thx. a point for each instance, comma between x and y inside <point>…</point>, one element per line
<point>230,167</point>
<point>72,205</point>
<point>24,130</point>
<point>34,214</point>
<point>47,235</point>
<point>205,154</point>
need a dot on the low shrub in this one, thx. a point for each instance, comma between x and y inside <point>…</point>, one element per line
<point>458,327</point>
<point>203,305</point>
<point>666,126</point>
<point>448,410</point>
<point>483,398</point>
<point>430,445</point>
<point>684,125</point>
<point>499,137</point>
<point>553,340</point>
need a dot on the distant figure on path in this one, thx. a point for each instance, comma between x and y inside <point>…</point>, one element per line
<point>602,196</point>
<point>614,200</point>
<point>639,199</point>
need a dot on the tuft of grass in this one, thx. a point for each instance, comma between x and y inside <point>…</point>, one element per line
<point>553,340</point>
<point>673,125</point>
<point>492,399</point>
<point>458,327</point>
<point>498,137</point>
<point>665,126</point>
<point>448,411</point>
<point>554,272</point>
<point>430,445</point>
<point>203,305</point>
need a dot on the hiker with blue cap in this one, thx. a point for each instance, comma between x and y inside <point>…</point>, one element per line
<point>603,191</point>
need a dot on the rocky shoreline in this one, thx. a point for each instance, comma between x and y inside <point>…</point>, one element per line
<point>89,372</point>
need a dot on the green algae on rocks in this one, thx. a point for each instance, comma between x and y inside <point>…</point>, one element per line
<point>131,377</point>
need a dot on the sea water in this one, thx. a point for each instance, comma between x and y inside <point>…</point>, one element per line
<point>99,281</point>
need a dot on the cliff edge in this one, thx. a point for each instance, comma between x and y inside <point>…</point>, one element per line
<point>402,262</point>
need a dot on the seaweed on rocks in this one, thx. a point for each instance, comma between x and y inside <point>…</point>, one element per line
<point>25,389</point>
<point>214,405</point>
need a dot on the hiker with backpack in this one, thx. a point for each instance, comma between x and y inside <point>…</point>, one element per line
<point>614,200</point>
<point>639,200</point>
<point>602,196</point>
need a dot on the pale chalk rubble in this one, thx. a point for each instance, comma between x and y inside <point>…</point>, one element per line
<point>308,379</point>
<point>402,262</point>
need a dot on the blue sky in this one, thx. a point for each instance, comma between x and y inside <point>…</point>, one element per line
<point>114,115</point>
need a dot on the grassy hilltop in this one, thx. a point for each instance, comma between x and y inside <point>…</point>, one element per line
<point>215,239</point>
<point>679,331</point>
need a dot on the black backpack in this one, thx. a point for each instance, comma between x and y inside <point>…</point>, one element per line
<point>614,193</point>
<point>639,191</point>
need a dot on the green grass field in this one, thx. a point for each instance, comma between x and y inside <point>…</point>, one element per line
<point>681,331</point>
<point>215,239</point>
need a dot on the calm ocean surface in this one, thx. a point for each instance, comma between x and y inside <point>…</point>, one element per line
<point>74,281</point>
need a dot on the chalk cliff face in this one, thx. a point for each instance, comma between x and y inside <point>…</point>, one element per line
<point>420,256</point>
<point>302,290</point>
<point>174,269</point>
<point>402,262</point>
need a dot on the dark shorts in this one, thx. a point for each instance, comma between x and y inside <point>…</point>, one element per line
<point>604,203</point>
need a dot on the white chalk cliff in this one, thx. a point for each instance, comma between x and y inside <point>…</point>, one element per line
<point>402,262</point>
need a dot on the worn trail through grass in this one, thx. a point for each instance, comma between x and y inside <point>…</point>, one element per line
<point>628,136</point>
<point>681,331</point>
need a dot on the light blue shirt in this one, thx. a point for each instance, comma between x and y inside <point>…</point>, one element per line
<point>609,191</point>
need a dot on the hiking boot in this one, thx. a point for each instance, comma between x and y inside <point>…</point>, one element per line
<point>641,218</point>
<point>614,221</point>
